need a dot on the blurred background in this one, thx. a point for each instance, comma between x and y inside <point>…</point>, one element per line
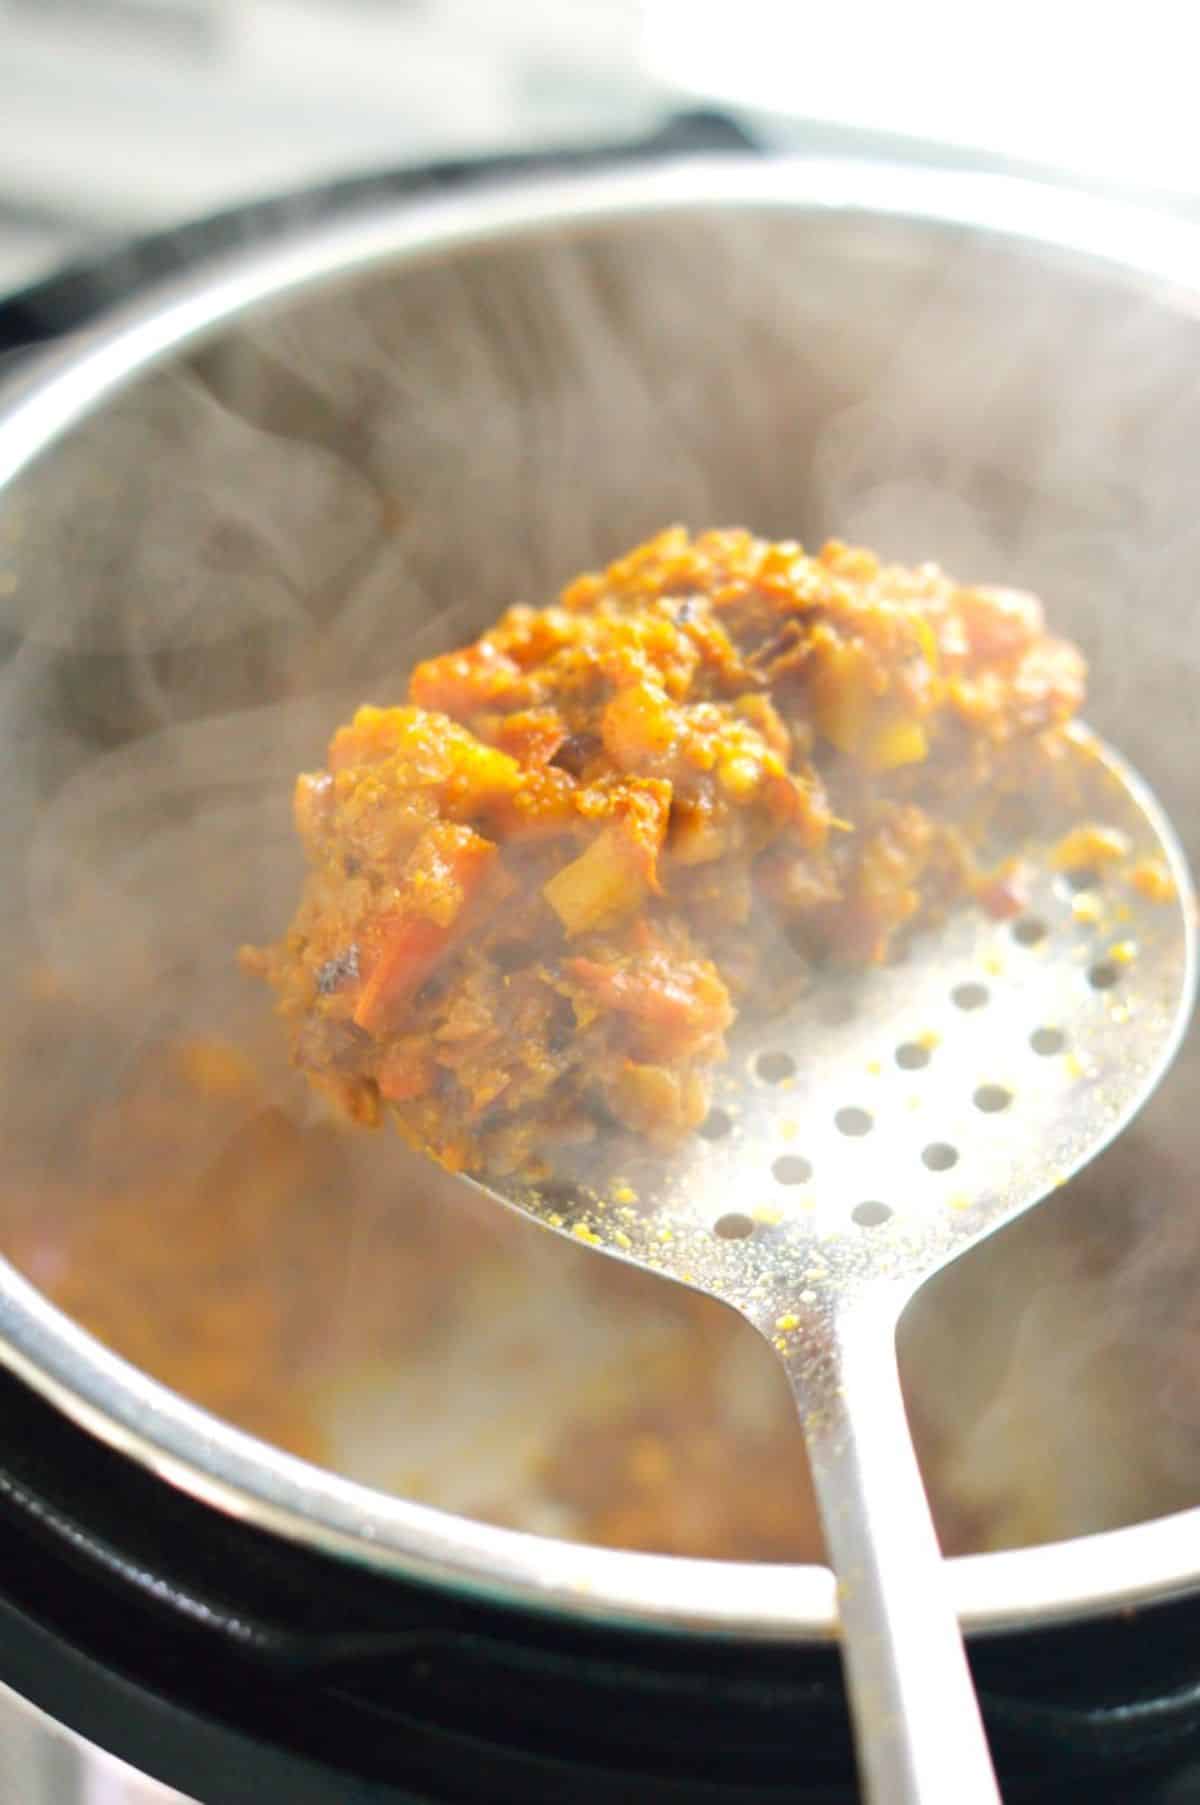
<point>121,115</point>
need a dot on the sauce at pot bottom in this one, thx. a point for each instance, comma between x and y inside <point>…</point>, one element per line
<point>249,1259</point>
<point>259,1262</point>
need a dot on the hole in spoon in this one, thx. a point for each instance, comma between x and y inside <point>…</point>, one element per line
<point>775,1067</point>
<point>939,1156</point>
<point>969,996</point>
<point>871,1214</point>
<point>715,1125</point>
<point>1103,975</point>
<point>1047,1040</point>
<point>991,1098</point>
<point>1029,930</point>
<point>733,1227</point>
<point>1086,877</point>
<point>912,1056</point>
<point>854,1121</point>
<point>790,1169</point>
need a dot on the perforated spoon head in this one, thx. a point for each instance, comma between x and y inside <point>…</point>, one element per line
<point>886,1121</point>
<point>879,1128</point>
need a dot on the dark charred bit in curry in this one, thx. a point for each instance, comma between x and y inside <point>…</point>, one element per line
<point>540,888</point>
<point>341,969</point>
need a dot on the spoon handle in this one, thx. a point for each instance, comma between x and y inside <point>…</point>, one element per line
<point>918,1730</point>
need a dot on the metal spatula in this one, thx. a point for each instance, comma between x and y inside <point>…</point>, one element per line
<point>879,1128</point>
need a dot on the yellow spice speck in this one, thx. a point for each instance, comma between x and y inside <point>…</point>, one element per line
<point>1152,879</point>
<point>993,964</point>
<point>1124,952</point>
<point>787,1322</point>
<point>583,1233</point>
<point>621,1238</point>
<point>1074,1066</point>
<point>788,1130</point>
<point>767,1215</point>
<point>960,1201</point>
<point>554,1219</point>
<point>1087,908</point>
<point>1089,844</point>
<point>624,1194</point>
<point>874,1068</point>
<point>781,1344</point>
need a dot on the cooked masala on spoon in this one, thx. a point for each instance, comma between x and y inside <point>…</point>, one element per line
<point>541,888</point>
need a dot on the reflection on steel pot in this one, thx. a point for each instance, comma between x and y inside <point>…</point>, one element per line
<point>258,497</point>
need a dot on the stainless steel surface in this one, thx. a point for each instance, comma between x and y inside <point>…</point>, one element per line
<point>956,260</point>
<point>1009,1056</point>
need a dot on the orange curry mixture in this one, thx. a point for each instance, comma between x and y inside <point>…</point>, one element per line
<point>542,887</point>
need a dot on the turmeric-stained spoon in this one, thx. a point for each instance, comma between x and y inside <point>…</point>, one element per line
<point>877,1130</point>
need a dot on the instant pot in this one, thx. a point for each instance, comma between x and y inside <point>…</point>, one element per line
<point>962,365</point>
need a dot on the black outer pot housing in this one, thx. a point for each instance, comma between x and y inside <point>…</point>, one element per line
<point>237,1667</point>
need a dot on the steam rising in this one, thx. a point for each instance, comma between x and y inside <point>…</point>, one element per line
<point>205,577</point>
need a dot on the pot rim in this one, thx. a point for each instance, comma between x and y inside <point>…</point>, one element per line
<point>247,1478</point>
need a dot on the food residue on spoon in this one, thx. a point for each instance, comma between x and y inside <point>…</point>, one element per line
<point>1151,879</point>
<point>1090,846</point>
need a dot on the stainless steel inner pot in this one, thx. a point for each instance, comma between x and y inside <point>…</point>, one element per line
<point>255,497</point>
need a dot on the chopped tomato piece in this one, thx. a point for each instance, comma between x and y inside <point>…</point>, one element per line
<point>679,1006</point>
<point>1000,624</point>
<point>461,683</point>
<point>411,947</point>
<point>640,727</point>
<point>445,872</point>
<point>371,736</point>
<point>533,736</point>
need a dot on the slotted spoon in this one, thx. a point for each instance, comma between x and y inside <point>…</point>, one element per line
<point>875,1131</point>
